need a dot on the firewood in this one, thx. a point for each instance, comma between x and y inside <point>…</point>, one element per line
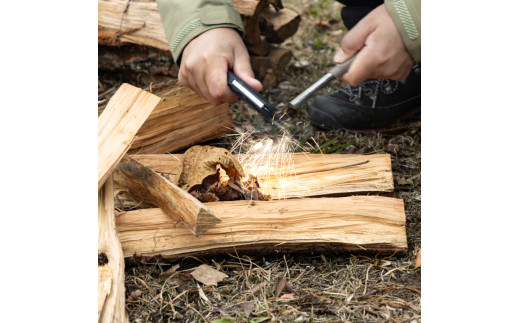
<point>111,274</point>
<point>279,25</point>
<point>279,58</point>
<point>124,114</point>
<point>121,22</point>
<point>345,224</point>
<point>177,203</point>
<point>260,65</point>
<point>309,175</point>
<point>250,8</point>
<point>252,34</point>
<point>181,119</point>
<point>261,49</point>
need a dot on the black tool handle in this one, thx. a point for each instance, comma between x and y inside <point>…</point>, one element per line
<point>250,96</point>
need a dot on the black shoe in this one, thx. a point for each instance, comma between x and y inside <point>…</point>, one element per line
<point>373,105</point>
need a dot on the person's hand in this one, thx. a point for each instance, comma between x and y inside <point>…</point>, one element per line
<point>382,53</point>
<point>206,60</point>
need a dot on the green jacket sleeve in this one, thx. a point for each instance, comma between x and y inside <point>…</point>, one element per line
<point>407,17</point>
<point>184,20</point>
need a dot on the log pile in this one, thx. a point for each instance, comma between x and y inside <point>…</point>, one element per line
<point>329,203</point>
<point>181,119</point>
<point>131,37</point>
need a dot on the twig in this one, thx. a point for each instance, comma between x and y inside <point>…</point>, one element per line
<point>366,280</point>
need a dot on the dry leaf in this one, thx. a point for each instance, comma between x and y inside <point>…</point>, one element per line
<point>207,275</point>
<point>392,148</point>
<point>200,162</point>
<point>418,259</point>
<point>280,286</point>
<point>257,287</point>
<point>248,307</point>
<point>135,295</point>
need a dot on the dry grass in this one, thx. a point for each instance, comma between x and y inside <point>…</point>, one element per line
<point>325,288</point>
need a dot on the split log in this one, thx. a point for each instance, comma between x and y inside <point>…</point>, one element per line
<point>121,22</point>
<point>305,174</point>
<point>279,25</point>
<point>177,203</point>
<point>261,49</point>
<point>111,272</point>
<point>373,224</point>
<point>124,114</point>
<point>182,118</point>
<point>250,8</point>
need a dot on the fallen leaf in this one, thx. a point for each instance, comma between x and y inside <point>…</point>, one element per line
<point>199,162</point>
<point>135,295</point>
<point>281,285</point>
<point>248,307</point>
<point>257,287</point>
<point>207,275</point>
<point>392,148</point>
<point>418,259</point>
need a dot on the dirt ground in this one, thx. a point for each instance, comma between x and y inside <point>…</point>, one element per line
<point>325,287</point>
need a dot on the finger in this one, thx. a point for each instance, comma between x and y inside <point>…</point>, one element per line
<point>216,80</point>
<point>361,69</point>
<point>242,68</point>
<point>353,41</point>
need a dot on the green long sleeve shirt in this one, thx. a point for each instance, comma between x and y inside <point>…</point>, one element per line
<point>184,20</point>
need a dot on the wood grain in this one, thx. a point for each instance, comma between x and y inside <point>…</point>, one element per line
<point>343,224</point>
<point>309,175</point>
<point>177,203</point>
<point>113,307</point>
<point>181,119</point>
<point>125,113</point>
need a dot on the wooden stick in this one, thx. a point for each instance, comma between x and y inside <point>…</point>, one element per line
<point>177,203</point>
<point>111,276</point>
<point>279,25</point>
<point>125,113</point>
<point>309,175</point>
<point>344,224</point>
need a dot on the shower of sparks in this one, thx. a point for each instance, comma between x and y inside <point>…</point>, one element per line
<point>270,161</point>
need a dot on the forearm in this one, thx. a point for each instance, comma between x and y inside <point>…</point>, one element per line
<point>184,20</point>
<point>407,18</point>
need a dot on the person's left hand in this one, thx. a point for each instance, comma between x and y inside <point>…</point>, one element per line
<point>382,53</point>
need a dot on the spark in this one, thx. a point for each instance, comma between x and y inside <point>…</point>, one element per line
<point>269,160</point>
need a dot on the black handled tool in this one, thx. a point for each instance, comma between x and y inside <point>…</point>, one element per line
<point>250,96</point>
<point>335,72</point>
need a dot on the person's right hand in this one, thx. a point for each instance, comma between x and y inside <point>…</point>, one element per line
<point>206,60</point>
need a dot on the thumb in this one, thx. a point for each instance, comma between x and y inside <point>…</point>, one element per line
<point>242,68</point>
<point>353,41</point>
